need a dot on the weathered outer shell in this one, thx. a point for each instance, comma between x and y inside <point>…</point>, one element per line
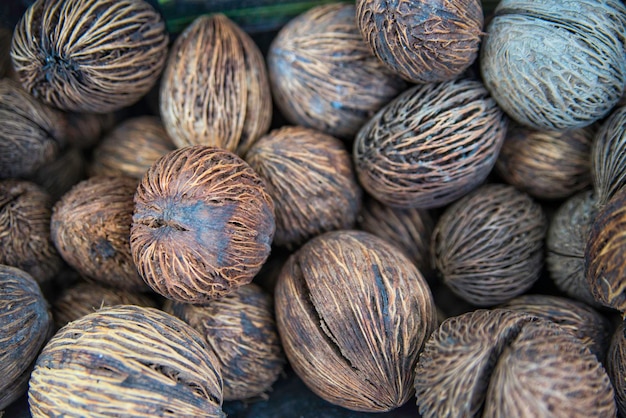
<point>615,366</point>
<point>131,148</point>
<point>203,224</point>
<point>546,164</point>
<point>423,41</point>
<point>215,90</point>
<point>25,326</point>
<point>555,65</point>
<point>153,364</point>
<point>91,227</point>
<point>89,55</point>
<point>504,363</point>
<point>353,313</point>
<point>323,75</point>
<point>60,175</point>
<point>310,177</point>
<point>488,246</point>
<point>25,213</point>
<point>241,330</point>
<point>608,156</point>
<point>431,145</point>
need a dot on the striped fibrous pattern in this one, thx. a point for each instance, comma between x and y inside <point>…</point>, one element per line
<point>555,65</point>
<point>488,246</point>
<point>310,177</point>
<point>31,133</point>
<point>605,254</point>
<point>25,213</point>
<point>25,326</point>
<point>502,363</point>
<point>324,76</point>
<point>241,330</point>
<point>89,55</point>
<point>615,361</point>
<point>546,164</point>
<point>353,314</point>
<point>126,360</point>
<point>608,156</point>
<point>423,41</point>
<point>215,89</point>
<point>431,145</point>
<point>131,148</point>
<point>90,228</point>
<point>203,224</point>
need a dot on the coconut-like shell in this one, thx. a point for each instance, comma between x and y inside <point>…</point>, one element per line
<point>555,65</point>
<point>153,364</point>
<point>310,177</point>
<point>616,366</point>
<point>504,363</point>
<point>323,75</point>
<point>131,148</point>
<point>241,330</point>
<point>431,145</point>
<point>25,326</point>
<point>423,41</point>
<point>488,246</point>
<point>203,224</point>
<point>90,228</point>
<point>215,89</point>
<point>25,213</point>
<point>608,156</point>
<point>89,55</point>
<point>353,313</point>
<point>59,176</point>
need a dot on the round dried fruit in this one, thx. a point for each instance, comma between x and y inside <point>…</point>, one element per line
<point>608,156</point>
<point>616,366</point>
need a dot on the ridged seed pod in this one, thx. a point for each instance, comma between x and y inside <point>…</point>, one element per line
<point>608,156</point>
<point>616,366</point>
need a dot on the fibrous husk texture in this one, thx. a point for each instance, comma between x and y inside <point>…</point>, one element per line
<point>91,230</point>
<point>203,224</point>
<point>25,326</point>
<point>608,156</point>
<point>431,145</point>
<point>353,313</point>
<point>423,41</point>
<point>241,330</point>
<point>25,213</point>
<point>215,89</point>
<point>310,177</point>
<point>488,246</point>
<point>324,76</point>
<point>616,367</point>
<point>504,363</point>
<point>126,361</point>
<point>89,55</point>
<point>555,65</point>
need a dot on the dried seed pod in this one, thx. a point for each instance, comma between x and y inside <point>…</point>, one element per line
<point>422,41</point>
<point>59,176</point>
<point>215,90</point>
<point>91,228</point>
<point>555,65</point>
<point>488,246</point>
<point>154,364</point>
<point>608,156</point>
<point>31,133</point>
<point>353,314</point>
<point>25,326</point>
<point>310,178</point>
<point>203,224</point>
<point>131,148</point>
<point>323,75</point>
<point>89,55</point>
<point>615,366</point>
<point>25,213</point>
<point>504,363</point>
<point>241,330</point>
<point>431,145</point>
<point>546,164</point>
<point>84,130</point>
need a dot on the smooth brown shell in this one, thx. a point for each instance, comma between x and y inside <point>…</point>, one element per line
<point>488,246</point>
<point>215,89</point>
<point>616,366</point>
<point>431,145</point>
<point>89,55</point>
<point>608,156</point>
<point>203,224</point>
<point>323,75</point>
<point>310,177</point>
<point>153,365</point>
<point>353,313</point>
